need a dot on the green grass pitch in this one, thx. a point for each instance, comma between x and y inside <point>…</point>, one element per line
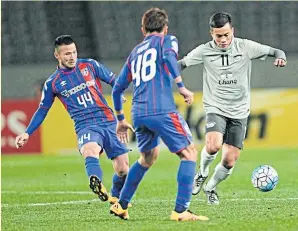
<point>51,193</point>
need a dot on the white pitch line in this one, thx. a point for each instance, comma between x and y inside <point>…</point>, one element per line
<point>47,192</point>
<point>51,203</point>
<point>138,200</point>
<point>260,199</point>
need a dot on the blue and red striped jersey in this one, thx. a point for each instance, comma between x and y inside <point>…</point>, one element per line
<point>148,68</point>
<point>80,91</point>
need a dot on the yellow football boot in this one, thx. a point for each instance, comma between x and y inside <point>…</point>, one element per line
<point>114,200</point>
<point>118,211</point>
<point>98,188</point>
<point>187,216</point>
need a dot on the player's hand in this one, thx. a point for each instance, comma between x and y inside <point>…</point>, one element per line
<point>122,131</point>
<point>123,99</point>
<point>21,140</point>
<point>187,94</point>
<point>280,63</point>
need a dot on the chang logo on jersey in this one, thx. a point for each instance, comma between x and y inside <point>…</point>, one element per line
<point>227,82</point>
<point>226,78</point>
<point>78,88</point>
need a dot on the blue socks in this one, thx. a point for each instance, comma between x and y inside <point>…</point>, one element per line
<point>118,183</point>
<point>133,179</point>
<point>185,177</point>
<point>92,167</point>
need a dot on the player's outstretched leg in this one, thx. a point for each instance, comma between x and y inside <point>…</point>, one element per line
<point>208,154</point>
<point>133,179</point>
<point>202,174</point>
<point>185,178</point>
<point>222,171</point>
<point>121,167</point>
<point>220,174</point>
<point>91,151</point>
<point>117,185</point>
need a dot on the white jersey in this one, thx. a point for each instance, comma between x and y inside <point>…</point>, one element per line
<point>226,75</point>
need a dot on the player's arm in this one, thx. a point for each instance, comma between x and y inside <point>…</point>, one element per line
<point>259,51</point>
<point>121,84</point>
<point>280,57</point>
<point>47,99</point>
<point>170,54</point>
<point>103,73</point>
<point>193,58</point>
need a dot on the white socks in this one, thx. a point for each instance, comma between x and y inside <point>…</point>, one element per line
<point>221,173</point>
<point>206,160</point>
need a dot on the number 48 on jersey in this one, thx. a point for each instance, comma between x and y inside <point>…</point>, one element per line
<point>144,66</point>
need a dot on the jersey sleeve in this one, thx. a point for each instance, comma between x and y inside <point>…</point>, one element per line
<point>170,45</point>
<point>195,56</point>
<point>46,102</point>
<point>170,55</point>
<point>256,50</point>
<point>121,84</point>
<point>103,73</point>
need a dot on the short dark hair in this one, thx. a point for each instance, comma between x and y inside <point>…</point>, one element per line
<point>154,19</point>
<point>63,40</point>
<point>218,20</point>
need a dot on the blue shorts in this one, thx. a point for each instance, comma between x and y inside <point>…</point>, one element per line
<point>171,128</point>
<point>105,136</point>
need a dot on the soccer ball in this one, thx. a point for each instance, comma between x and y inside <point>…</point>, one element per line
<point>264,178</point>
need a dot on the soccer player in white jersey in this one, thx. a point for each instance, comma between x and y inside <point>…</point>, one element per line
<point>226,97</point>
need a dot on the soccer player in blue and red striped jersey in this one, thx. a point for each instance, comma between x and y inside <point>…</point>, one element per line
<point>152,66</point>
<point>76,83</point>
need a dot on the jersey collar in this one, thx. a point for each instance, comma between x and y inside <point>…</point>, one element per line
<point>66,70</point>
<point>151,35</point>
